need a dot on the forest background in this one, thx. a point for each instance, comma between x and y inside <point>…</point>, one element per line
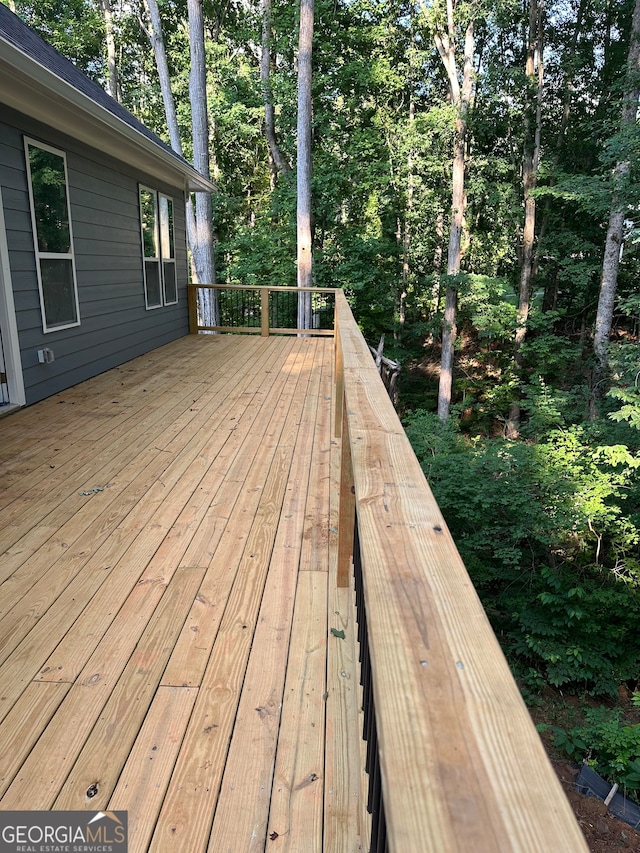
<point>534,454</point>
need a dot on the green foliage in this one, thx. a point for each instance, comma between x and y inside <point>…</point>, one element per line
<point>260,256</point>
<point>606,743</point>
<point>625,365</point>
<point>547,353</point>
<point>73,27</point>
<point>548,407</point>
<point>569,629</point>
<point>547,537</point>
<point>588,193</point>
<point>490,305</point>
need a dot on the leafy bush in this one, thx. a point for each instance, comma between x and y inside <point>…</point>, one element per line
<point>606,743</point>
<point>548,408</point>
<point>625,387</point>
<point>568,627</point>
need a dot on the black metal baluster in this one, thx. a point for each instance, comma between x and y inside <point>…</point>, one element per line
<point>375,804</point>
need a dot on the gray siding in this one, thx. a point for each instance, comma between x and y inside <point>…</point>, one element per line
<point>115,325</point>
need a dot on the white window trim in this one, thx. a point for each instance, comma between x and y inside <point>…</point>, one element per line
<point>35,143</point>
<point>142,188</point>
<point>159,258</point>
<point>8,322</point>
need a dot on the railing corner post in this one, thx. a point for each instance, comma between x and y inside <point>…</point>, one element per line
<point>264,312</point>
<point>192,300</point>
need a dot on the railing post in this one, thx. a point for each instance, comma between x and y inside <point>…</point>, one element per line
<point>347,506</point>
<point>339,372</point>
<point>192,299</point>
<point>264,312</point>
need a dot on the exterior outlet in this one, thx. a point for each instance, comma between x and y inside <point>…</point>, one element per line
<point>46,355</point>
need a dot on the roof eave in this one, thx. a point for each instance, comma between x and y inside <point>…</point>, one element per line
<point>30,88</point>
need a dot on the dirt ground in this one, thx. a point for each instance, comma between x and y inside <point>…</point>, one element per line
<point>604,833</point>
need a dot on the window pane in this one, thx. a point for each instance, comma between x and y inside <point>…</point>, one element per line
<point>58,291</point>
<point>170,287</point>
<point>166,227</point>
<point>51,208</point>
<point>152,283</point>
<point>148,217</point>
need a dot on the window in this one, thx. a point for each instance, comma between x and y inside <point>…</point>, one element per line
<point>158,245</point>
<point>53,238</point>
<point>168,250</point>
<point>150,247</point>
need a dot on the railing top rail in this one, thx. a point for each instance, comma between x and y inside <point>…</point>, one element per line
<point>463,768</point>
<point>255,287</point>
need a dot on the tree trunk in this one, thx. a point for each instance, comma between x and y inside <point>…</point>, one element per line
<point>560,137</point>
<point>530,162</point>
<point>608,285</point>
<point>436,289</point>
<point>202,248</point>
<point>405,229</point>
<point>156,38</point>
<point>408,217</point>
<point>461,99</point>
<point>280,162</point>
<point>113,83</point>
<point>304,162</point>
<point>454,256</point>
<point>613,245</point>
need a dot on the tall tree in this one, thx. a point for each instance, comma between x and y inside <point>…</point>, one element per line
<point>202,247</point>
<point>113,83</point>
<point>567,97</point>
<point>405,233</point>
<point>619,207</point>
<point>156,38</point>
<point>534,70</point>
<point>460,92</point>
<point>303,218</point>
<point>279,160</point>
<point>405,230</point>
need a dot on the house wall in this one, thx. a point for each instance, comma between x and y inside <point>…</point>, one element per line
<point>115,325</point>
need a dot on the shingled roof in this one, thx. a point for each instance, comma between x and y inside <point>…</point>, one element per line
<point>31,68</point>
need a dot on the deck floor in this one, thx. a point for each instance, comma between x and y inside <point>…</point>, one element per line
<point>167,596</point>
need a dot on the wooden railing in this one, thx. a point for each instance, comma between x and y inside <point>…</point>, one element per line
<point>455,763</point>
<point>261,310</point>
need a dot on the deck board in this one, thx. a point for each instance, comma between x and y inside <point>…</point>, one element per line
<point>163,641</point>
<point>196,784</point>
<point>243,807</point>
<point>297,804</point>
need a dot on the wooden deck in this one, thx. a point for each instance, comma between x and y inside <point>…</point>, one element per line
<point>168,593</point>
